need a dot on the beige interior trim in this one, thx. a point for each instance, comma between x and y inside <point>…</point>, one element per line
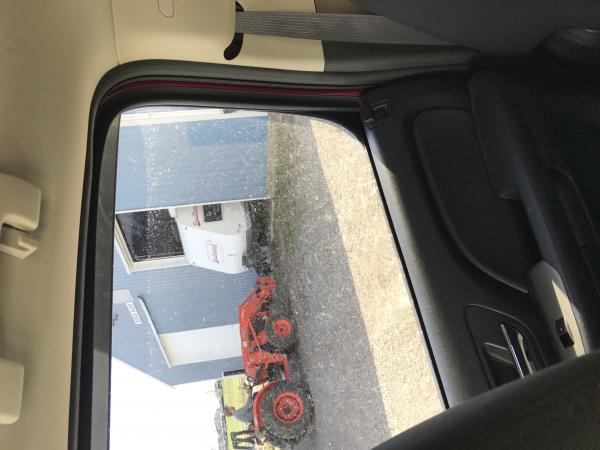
<point>20,209</point>
<point>197,31</point>
<point>551,295</point>
<point>53,55</point>
<point>200,30</point>
<point>11,391</point>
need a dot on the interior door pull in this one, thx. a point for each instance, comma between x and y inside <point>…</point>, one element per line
<point>516,343</point>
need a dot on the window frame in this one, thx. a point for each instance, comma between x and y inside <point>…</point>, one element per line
<point>131,87</point>
<point>131,266</point>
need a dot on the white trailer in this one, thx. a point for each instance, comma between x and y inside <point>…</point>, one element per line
<point>226,237</point>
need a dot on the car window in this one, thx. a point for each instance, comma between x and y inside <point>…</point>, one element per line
<point>258,297</point>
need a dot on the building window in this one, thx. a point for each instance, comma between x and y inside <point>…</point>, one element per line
<point>148,240</point>
<point>213,213</point>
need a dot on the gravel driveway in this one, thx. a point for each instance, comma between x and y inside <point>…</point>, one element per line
<point>360,348</point>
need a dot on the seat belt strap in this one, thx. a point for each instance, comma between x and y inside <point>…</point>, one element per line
<point>362,28</point>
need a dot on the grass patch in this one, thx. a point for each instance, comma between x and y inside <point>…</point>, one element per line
<point>282,144</point>
<point>233,395</point>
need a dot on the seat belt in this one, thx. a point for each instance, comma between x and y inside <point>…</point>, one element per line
<point>362,28</point>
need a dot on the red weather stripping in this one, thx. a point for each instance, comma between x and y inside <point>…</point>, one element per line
<point>342,92</point>
<point>288,407</point>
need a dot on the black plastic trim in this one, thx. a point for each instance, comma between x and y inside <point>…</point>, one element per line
<point>442,280</point>
<point>351,57</point>
<point>182,70</point>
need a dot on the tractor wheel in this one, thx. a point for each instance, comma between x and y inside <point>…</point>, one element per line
<point>281,332</point>
<point>286,413</point>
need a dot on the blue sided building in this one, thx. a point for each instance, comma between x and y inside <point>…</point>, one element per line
<point>173,321</point>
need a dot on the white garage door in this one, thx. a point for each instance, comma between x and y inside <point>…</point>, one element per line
<point>205,344</point>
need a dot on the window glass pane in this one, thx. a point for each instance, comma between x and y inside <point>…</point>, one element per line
<point>150,234</point>
<point>291,322</point>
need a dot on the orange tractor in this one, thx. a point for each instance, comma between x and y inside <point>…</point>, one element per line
<point>282,409</point>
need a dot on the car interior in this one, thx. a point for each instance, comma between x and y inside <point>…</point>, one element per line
<point>482,123</point>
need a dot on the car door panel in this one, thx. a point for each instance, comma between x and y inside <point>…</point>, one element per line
<point>442,272</point>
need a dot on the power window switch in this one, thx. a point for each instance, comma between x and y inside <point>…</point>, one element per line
<point>563,333</point>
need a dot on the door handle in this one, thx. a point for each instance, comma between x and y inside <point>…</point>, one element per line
<point>517,345</point>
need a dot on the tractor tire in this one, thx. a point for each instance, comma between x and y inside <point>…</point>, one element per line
<point>281,332</point>
<point>287,412</point>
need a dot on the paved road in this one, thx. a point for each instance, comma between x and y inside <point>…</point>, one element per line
<point>313,273</point>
